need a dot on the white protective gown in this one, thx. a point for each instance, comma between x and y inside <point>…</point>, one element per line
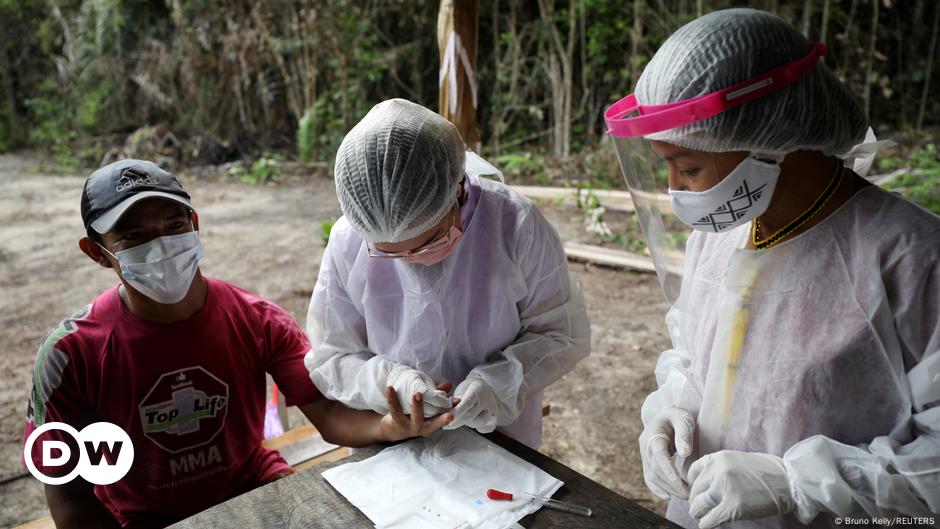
<point>840,369</point>
<point>501,305</point>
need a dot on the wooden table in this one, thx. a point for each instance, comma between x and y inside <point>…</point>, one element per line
<point>305,500</point>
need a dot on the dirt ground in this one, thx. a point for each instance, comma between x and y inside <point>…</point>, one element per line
<point>267,238</point>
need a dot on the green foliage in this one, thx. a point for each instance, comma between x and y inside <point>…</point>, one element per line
<point>600,163</point>
<point>263,170</point>
<point>92,105</point>
<point>629,242</point>
<point>587,200</point>
<point>325,228</point>
<point>305,140</point>
<point>523,164</point>
<point>677,239</point>
<point>921,182</point>
<point>287,75</point>
<point>327,127</point>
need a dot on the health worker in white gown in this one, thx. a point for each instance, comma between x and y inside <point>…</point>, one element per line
<point>803,385</point>
<point>434,276</point>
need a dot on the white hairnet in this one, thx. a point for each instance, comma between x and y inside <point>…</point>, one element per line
<point>726,47</point>
<point>397,171</point>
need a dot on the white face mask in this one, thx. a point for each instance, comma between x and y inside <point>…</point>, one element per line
<point>743,195</point>
<point>162,269</point>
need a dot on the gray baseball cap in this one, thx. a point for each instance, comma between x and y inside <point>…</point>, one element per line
<point>111,190</point>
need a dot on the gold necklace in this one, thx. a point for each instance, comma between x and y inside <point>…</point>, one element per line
<point>803,218</point>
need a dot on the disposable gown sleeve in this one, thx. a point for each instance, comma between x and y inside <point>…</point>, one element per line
<point>555,333</point>
<point>675,380</point>
<point>897,473</point>
<point>676,385</point>
<point>340,362</point>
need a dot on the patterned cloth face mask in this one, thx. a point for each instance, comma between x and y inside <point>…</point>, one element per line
<point>740,197</point>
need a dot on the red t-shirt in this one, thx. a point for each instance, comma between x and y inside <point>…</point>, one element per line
<point>191,395</point>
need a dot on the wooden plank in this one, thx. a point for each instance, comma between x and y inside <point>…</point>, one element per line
<point>290,436</point>
<point>662,200</point>
<point>39,523</point>
<point>608,257</point>
<point>610,199</point>
<point>301,445</point>
<point>306,450</point>
<point>335,455</point>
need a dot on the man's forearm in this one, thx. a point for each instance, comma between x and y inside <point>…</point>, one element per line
<point>345,426</point>
<point>75,506</point>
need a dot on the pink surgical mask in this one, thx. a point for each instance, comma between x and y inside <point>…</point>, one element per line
<point>431,253</point>
<point>436,251</point>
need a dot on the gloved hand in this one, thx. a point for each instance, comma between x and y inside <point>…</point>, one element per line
<point>669,433</point>
<point>731,485</point>
<point>408,381</point>
<point>478,406</point>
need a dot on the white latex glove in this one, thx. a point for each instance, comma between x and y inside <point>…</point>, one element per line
<point>669,433</point>
<point>731,485</point>
<point>408,381</point>
<point>477,409</point>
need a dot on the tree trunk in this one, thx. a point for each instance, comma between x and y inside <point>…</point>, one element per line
<point>495,131</point>
<point>560,73</point>
<point>513,87</point>
<point>636,38</point>
<point>568,71</point>
<point>846,35</point>
<point>14,128</point>
<point>871,57</point>
<point>807,18</point>
<point>586,88</point>
<point>457,28</point>
<point>929,70</point>
<point>824,26</point>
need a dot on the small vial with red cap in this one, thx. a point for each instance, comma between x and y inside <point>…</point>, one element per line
<point>499,495</point>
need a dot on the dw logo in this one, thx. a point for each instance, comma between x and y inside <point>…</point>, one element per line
<point>105,453</point>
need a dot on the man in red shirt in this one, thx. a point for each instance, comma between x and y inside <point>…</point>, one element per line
<point>178,361</point>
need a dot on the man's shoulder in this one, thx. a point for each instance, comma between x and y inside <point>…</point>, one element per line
<point>233,298</point>
<point>73,337</point>
<point>94,319</point>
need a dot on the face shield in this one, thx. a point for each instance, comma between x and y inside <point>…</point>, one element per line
<point>632,125</point>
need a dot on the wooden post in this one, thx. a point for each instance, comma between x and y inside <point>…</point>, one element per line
<point>457,28</point>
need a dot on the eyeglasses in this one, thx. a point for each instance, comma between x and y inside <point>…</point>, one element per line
<point>434,245</point>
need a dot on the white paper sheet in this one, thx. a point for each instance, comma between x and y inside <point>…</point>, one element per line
<point>441,483</point>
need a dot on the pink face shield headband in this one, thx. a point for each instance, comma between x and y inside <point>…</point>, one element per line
<point>650,119</point>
